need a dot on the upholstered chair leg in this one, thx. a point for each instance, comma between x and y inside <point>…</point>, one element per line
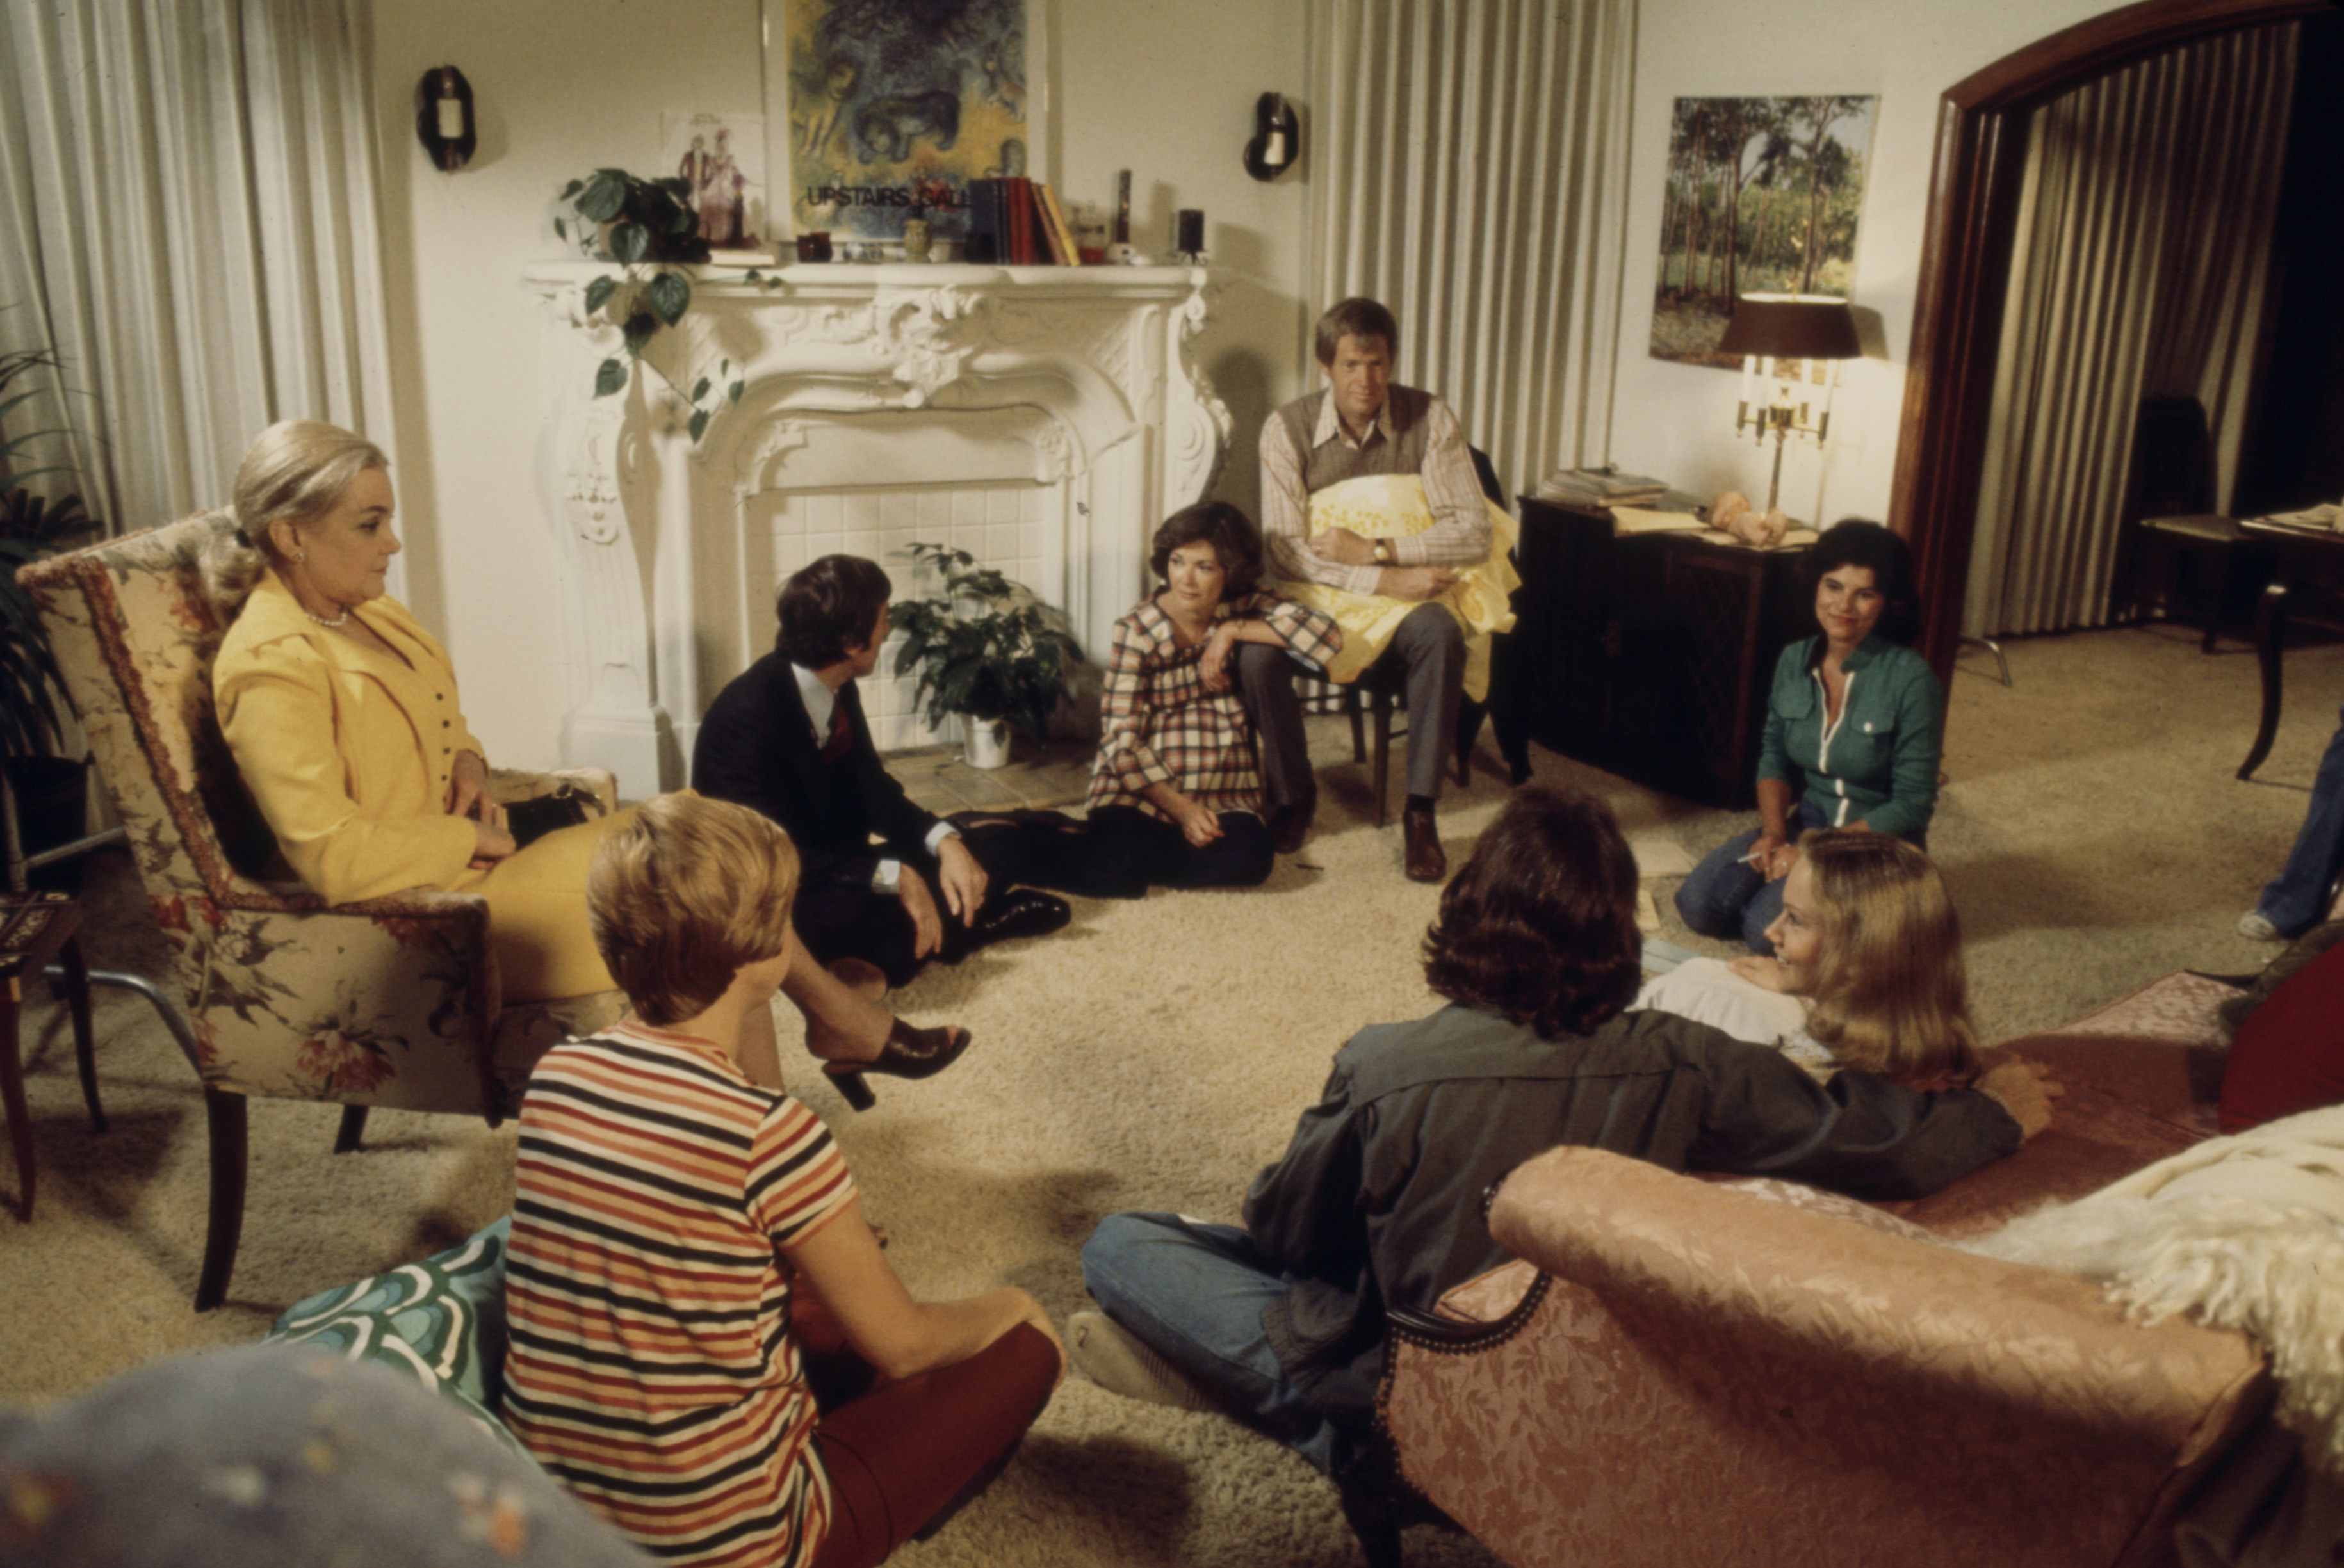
<point>353,1132</point>
<point>225,1112</point>
<point>1375,1523</point>
<point>76,989</point>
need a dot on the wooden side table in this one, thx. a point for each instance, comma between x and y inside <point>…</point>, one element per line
<point>33,928</point>
<point>1651,655</point>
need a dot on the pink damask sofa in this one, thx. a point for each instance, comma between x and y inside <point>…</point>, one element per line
<point>1679,1370</point>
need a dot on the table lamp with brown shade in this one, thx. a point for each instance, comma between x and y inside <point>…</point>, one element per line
<point>1800,336</point>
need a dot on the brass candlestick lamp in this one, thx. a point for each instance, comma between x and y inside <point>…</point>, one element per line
<point>1797,334</point>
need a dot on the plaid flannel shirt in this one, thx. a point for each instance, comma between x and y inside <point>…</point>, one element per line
<point>1160,726</point>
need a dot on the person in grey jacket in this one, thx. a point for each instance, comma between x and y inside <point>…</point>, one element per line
<point>1378,1200</point>
<point>1855,724</point>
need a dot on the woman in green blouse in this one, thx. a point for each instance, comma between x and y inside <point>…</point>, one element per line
<point>1853,727</point>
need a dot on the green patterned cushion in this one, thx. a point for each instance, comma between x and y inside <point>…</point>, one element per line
<point>441,1321</point>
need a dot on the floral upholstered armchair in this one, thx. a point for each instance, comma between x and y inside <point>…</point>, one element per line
<point>387,1002</point>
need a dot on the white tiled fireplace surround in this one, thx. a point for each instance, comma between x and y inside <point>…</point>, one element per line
<point>1045,420</point>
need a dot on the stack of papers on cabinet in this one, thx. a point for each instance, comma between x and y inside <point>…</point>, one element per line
<point>1598,488</point>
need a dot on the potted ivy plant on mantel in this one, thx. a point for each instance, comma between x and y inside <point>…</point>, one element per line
<point>650,228</point>
<point>987,652</point>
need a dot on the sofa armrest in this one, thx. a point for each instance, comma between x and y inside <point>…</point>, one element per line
<point>1914,1318</point>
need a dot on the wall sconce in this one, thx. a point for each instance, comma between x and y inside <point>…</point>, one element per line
<point>1276,138</point>
<point>443,118</point>
<point>1801,337</point>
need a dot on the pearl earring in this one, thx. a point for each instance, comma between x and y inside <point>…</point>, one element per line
<point>301,555</point>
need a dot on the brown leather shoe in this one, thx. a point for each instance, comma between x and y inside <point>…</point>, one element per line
<point>1423,859</point>
<point>1289,824</point>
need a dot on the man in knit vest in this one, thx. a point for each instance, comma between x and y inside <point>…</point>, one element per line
<point>1362,423</point>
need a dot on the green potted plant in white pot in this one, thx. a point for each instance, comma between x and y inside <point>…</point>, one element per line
<point>987,652</point>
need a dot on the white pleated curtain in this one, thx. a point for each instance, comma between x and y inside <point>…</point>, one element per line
<point>2139,270</point>
<point>188,212</point>
<point>1470,171</point>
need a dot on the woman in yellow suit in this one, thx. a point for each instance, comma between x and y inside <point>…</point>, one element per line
<point>342,713</point>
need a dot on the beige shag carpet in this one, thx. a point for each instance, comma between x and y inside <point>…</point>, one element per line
<point>1154,1055</point>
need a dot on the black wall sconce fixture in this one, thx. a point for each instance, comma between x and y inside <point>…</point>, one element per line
<point>1276,138</point>
<point>444,122</point>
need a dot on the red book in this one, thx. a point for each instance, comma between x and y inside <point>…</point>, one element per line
<point>1021,222</point>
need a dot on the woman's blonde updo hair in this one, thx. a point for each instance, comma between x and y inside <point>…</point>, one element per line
<point>294,472</point>
<point>1891,995</point>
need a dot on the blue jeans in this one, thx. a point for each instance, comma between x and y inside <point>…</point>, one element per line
<point>1194,1294</point>
<point>1724,897</point>
<point>2294,902</point>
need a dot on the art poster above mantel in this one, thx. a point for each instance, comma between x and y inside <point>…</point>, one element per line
<point>887,112</point>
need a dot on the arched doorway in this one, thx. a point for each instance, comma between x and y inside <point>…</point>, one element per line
<point>1964,268</point>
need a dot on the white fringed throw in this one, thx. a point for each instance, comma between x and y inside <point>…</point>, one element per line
<point>2245,1233</point>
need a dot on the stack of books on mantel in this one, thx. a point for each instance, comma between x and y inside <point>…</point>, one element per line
<point>1600,488</point>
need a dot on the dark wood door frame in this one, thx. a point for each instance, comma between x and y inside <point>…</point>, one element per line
<point>1965,265</point>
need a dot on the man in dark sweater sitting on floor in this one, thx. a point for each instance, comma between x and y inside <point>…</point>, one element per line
<point>1379,1200</point>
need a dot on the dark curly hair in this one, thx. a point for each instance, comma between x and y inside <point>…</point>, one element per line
<point>827,606</point>
<point>1540,925</point>
<point>1860,542</point>
<point>1227,529</point>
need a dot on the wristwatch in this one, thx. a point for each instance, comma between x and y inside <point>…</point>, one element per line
<point>1383,554</point>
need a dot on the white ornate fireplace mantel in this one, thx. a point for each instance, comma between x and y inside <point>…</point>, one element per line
<point>1045,420</point>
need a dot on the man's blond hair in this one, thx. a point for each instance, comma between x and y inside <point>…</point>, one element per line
<point>683,896</point>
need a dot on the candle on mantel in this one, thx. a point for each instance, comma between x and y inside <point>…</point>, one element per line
<point>1749,378</point>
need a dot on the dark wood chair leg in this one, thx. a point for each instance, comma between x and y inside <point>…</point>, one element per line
<point>12,1097</point>
<point>1351,712</point>
<point>1376,1522</point>
<point>225,1112</point>
<point>76,984</point>
<point>2270,634</point>
<point>1382,772</point>
<point>353,1132</point>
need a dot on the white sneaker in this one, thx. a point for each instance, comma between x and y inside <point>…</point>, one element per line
<point>2252,926</point>
<point>1118,1360</point>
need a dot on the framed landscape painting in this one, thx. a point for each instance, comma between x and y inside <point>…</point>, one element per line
<point>1763,196</point>
<point>894,104</point>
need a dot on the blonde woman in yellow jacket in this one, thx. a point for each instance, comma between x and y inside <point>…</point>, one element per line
<point>342,714</point>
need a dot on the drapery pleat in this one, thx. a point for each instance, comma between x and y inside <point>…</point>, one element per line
<point>2139,269</point>
<point>188,212</point>
<point>1470,171</point>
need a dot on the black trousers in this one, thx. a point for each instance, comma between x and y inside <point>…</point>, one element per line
<point>1016,849</point>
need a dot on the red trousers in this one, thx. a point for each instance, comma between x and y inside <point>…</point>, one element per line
<point>907,1454</point>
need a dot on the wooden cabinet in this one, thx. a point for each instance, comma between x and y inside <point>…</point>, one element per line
<point>1650,655</point>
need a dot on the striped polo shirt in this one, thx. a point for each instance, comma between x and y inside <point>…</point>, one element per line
<point>651,1367</point>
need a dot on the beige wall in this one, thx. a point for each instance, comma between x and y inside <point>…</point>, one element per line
<point>1677,420</point>
<point>1163,90</point>
<point>566,85</point>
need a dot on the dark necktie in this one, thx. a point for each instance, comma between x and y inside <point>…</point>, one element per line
<point>836,746</point>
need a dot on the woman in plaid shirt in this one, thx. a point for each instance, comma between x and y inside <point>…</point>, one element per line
<point>1176,797</point>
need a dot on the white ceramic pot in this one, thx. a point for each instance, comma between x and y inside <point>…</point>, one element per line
<point>988,744</point>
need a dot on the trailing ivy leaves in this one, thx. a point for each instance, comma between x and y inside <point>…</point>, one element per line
<point>648,227</point>
<point>671,295</point>
<point>985,646</point>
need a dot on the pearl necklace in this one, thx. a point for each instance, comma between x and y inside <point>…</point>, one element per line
<point>335,624</point>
